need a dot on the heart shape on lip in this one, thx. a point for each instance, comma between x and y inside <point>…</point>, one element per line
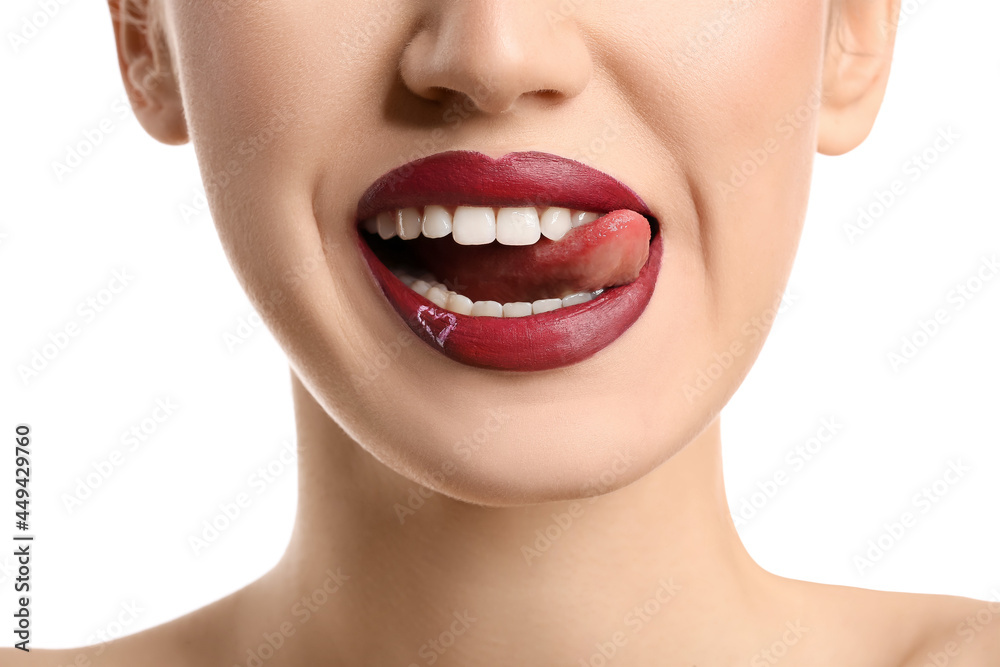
<point>537,343</point>
<point>437,322</point>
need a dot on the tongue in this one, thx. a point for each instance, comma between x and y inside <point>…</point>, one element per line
<point>605,253</point>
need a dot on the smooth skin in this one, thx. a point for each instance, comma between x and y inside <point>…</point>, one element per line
<point>296,106</point>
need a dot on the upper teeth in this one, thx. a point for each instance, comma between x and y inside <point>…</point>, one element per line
<point>479,225</point>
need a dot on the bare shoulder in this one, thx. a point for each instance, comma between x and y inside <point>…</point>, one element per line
<point>192,640</point>
<point>958,632</point>
<point>864,627</point>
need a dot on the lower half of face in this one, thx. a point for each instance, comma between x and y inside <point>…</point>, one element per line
<point>513,329</point>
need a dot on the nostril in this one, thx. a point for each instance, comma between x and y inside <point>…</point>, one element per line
<point>441,93</point>
<point>494,54</point>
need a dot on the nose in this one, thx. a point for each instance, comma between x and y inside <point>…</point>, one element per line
<point>497,53</point>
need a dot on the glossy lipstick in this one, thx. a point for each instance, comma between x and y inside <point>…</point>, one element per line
<point>535,342</point>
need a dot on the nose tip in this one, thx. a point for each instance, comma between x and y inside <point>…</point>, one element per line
<point>495,54</point>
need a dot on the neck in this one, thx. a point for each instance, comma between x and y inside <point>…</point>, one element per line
<point>441,582</point>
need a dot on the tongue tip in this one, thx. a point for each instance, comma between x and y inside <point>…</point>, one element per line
<point>625,219</point>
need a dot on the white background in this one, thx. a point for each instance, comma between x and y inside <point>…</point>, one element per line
<point>162,338</point>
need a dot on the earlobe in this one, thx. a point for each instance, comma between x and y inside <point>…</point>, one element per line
<point>147,71</point>
<point>859,50</point>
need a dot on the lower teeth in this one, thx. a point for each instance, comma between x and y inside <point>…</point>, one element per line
<point>442,297</point>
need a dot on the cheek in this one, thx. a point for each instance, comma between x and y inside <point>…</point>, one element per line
<point>731,97</point>
<point>761,136</point>
<point>268,88</point>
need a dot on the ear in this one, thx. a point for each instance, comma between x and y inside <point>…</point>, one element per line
<point>860,41</point>
<point>147,69</point>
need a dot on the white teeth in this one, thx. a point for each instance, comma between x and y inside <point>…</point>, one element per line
<point>474,225</point>
<point>518,226</point>
<point>517,309</point>
<point>442,297</point>
<point>408,223</point>
<point>437,222</point>
<point>574,299</point>
<point>556,222</point>
<point>581,218</point>
<point>437,296</point>
<point>479,225</point>
<point>386,222</point>
<point>545,305</point>
<point>487,309</point>
<point>459,304</point>
<point>420,287</point>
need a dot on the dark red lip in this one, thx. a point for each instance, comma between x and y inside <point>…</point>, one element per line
<point>533,343</point>
<point>475,179</point>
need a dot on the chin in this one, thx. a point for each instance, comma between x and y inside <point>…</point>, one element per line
<point>503,331</point>
<point>505,438</point>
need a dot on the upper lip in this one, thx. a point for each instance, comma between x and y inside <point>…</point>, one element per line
<point>468,178</point>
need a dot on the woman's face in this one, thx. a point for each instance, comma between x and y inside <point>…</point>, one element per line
<point>707,109</point>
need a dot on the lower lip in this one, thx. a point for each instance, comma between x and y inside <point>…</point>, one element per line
<point>534,343</point>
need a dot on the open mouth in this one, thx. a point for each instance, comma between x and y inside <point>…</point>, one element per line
<point>528,262</point>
